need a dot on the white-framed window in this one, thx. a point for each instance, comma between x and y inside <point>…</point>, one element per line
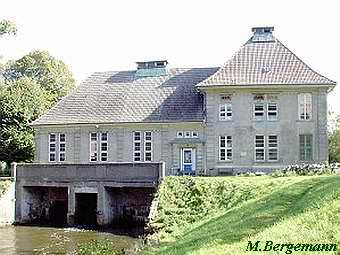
<point>62,147</point>
<point>93,147</point>
<point>103,147</point>
<point>187,134</point>
<point>52,147</point>
<point>305,106</point>
<point>273,148</point>
<point>194,134</point>
<point>148,146</point>
<point>306,147</point>
<point>225,112</point>
<point>137,146</point>
<point>260,148</point>
<point>225,148</point>
<point>180,134</point>
<point>272,111</point>
<point>258,111</point>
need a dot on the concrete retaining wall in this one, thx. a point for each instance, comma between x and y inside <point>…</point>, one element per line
<point>7,203</point>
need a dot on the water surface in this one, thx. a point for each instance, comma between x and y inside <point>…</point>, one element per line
<point>22,240</point>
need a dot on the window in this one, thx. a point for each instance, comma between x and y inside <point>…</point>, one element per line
<point>93,147</point>
<point>57,147</point>
<point>273,152</point>
<point>194,134</point>
<point>147,146</point>
<point>52,147</point>
<point>103,147</point>
<point>272,111</point>
<point>62,147</point>
<point>259,111</point>
<point>137,150</point>
<point>187,134</point>
<point>259,148</point>
<point>226,112</point>
<point>225,148</point>
<point>306,151</point>
<point>305,106</point>
<point>98,147</point>
<point>142,145</point>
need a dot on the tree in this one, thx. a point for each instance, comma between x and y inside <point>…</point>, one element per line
<point>7,27</point>
<point>334,138</point>
<point>50,73</point>
<point>22,101</point>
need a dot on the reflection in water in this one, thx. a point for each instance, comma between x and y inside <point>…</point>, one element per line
<point>39,240</point>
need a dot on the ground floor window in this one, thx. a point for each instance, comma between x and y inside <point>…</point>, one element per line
<point>225,148</point>
<point>260,148</point>
<point>306,148</point>
<point>142,146</point>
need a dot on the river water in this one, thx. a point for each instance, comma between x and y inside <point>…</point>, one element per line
<point>22,240</point>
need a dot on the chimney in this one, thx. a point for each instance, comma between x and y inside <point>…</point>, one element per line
<point>151,68</point>
<point>152,64</point>
<point>262,34</point>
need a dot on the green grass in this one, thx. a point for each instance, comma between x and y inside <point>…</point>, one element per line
<point>288,209</point>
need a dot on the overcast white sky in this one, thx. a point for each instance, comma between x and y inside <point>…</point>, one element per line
<point>112,35</point>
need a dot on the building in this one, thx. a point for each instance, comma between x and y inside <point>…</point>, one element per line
<point>264,109</point>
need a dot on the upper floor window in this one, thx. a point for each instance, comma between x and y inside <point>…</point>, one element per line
<point>142,146</point>
<point>305,106</point>
<point>259,111</point>
<point>98,146</point>
<point>225,112</point>
<point>225,148</point>
<point>57,147</point>
<point>306,148</point>
<point>272,111</point>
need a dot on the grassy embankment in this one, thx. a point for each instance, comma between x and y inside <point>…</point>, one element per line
<point>219,215</point>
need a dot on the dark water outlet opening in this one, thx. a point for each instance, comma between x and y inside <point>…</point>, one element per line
<point>58,213</point>
<point>46,206</point>
<point>86,209</point>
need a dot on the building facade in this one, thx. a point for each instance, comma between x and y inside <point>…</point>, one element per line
<point>264,109</point>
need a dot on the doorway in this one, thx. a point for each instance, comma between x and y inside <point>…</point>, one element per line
<point>188,160</point>
<point>86,209</point>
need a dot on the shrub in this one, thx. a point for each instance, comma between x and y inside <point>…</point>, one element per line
<point>98,247</point>
<point>305,169</point>
<point>4,169</point>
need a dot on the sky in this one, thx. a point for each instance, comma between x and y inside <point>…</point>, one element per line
<point>103,35</point>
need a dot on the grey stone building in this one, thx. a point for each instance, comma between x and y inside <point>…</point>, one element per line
<point>101,151</point>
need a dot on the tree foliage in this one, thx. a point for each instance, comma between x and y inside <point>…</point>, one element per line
<point>50,73</point>
<point>334,140</point>
<point>7,27</point>
<point>22,101</point>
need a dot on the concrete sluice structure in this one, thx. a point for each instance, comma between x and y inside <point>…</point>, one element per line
<point>98,195</point>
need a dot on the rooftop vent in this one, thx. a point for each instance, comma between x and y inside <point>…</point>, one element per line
<point>151,68</point>
<point>262,34</point>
